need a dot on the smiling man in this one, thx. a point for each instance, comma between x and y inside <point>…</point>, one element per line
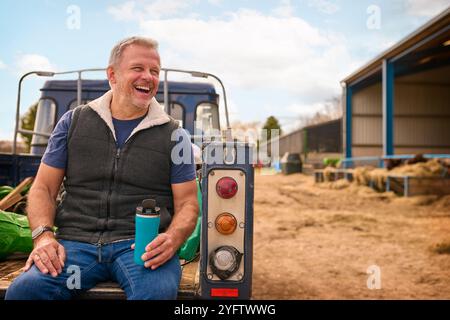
<point>113,152</point>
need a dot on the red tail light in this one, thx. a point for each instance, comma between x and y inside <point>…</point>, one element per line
<point>225,292</point>
<point>226,187</point>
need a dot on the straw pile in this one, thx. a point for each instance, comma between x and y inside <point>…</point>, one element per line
<point>379,177</point>
<point>327,173</point>
<point>336,185</point>
<point>431,168</point>
<point>361,175</point>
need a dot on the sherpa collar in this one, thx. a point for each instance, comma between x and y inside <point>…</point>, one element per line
<point>155,115</point>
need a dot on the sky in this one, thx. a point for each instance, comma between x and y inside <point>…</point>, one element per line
<point>284,58</point>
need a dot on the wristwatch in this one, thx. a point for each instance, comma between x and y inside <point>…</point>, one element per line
<point>40,230</point>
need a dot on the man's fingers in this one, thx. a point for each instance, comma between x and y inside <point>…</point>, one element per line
<point>158,251</point>
<point>157,261</point>
<point>39,264</point>
<point>28,264</point>
<point>157,257</point>
<point>133,246</point>
<point>54,259</point>
<point>153,267</point>
<point>152,253</point>
<point>156,242</point>
<point>48,257</point>
<point>61,255</point>
<point>45,259</point>
<point>54,262</point>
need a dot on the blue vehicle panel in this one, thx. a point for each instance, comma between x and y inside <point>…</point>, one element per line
<point>15,168</point>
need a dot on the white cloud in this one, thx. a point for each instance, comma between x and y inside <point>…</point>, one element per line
<point>132,10</point>
<point>233,110</point>
<point>305,110</point>
<point>32,62</point>
<point>285,9</point>
<point>2,65</point>
<point>256,51</point>
<point>215,2</point>
<point>300,114</point>
<point>123,12</point>
<point>426,8</point>
<point>378,45</point>
<point>324,6</point>
<point>164,8</point>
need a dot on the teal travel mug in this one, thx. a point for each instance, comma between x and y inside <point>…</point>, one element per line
<point>147,226</point>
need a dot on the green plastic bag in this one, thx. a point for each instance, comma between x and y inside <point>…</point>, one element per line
<point>189,248</point>
<point>15,234</point>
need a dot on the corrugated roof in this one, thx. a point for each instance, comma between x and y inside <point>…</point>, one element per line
<point>435,24</point>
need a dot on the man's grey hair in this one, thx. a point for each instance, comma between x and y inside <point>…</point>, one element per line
<point>117,51</point>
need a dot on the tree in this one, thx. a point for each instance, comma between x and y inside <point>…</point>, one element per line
<point>271,123</point>
<point>27,123</point>
<point>267,134</point>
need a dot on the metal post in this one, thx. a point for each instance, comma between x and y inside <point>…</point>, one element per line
<point>406,186</point>
<point>79,88</point>
<point>388,107</point>
<point>348,121</point>
<point>205,75</point>
<point>16,129</point>
<point>44,74</point>
<point>224,100</point>
<point>305,144</point>
<point>228,135</point>
<point>166,92</point>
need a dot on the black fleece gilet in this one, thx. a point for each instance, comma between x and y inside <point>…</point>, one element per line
<point>104,185</point>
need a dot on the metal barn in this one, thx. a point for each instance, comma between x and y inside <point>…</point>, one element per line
<point>398,104</point>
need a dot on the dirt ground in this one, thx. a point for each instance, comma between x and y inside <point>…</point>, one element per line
<point>317,241</point>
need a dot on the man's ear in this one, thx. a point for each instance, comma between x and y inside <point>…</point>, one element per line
<point>111,74</point>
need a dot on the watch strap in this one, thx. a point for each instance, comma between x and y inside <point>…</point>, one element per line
<point>40,230</point>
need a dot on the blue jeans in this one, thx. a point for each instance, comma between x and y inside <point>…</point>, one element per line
<point>110,262</point>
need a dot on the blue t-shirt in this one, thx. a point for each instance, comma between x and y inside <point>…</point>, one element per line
<point>56,153</point>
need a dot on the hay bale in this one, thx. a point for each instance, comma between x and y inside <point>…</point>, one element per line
<point>335,185</point>
<point>379,177</point>
<point>431,168</point>
<point>340,184</point>
<point>419,200</point>
<point>361,175</point>
<point>328,174</point>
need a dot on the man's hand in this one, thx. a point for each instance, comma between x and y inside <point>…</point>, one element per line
<point>160,250</point>
<point>48,255</point>
<point>166,244</point>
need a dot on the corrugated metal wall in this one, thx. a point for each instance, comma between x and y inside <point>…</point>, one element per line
<point>421,118</point>
<point>321,138</point>
<point>421,115</point>
<point>325,137</point>
<point>366,122</point>
<point>291,143</point>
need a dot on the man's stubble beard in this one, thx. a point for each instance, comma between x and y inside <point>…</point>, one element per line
<point>126,100</point>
